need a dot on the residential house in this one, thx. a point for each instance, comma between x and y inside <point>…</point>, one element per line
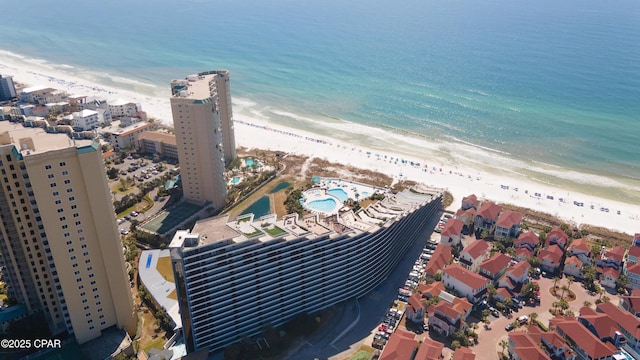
<point>550,258</point>
<point>611,258</point>
<point>124,133</point>
<point>508,224</point>
<point>451,235</point>
<point>120,108</point>
<point>494,267</point>
<point>85,120</point>
<point>633,255</point>
<point>553,343</point>
<point>487,216</point>
<point>628,324</point>
<point>449,314</point>
<point>430,290</point>
<point>470,202</point>
<point>415,309</point>
<point>581,249</point>
<point>473,254</point>
<point>608,277</point>
<point>558,237</point>
<point>631,303</point>
<point>440,258</point>
<point>42,95</point>
<point>430,350</point>
<point>503,294</point>
<point>586,344</point>
<point>633,274</point>
<point>109,155</point>
<point>467,217</point>
<point>463,353</point>
<point>601,325</point>
<point>573,266</point>
<point>401,346</point>
<point>515,276</point>
<point>525,245</point>
<point>636,240</point>
<point>523,347</point>
<point>465,282</point>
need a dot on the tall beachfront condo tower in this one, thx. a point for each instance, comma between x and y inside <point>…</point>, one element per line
<point>60,249</point>
<point>203,124</point>
<point>236,276</point>
<point>7,88</point>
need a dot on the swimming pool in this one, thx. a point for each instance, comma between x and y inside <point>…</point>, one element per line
<point>149,261</point>
<point>324,205</point>
<point>249,161</point>
<point>235,180</point>
<point>339,193</point>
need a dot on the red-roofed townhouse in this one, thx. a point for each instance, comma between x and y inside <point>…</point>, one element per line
<point>463,353</point>
<point>440,258</point>
<point>508,224</point>
<point>550,258</point>
<point>449,314</point>
<point>553,343</point>
<point>109,155</point>
<point>634,255</point>
<point>466,283</point>
<point>633,274</point>
<point>608,277</point>
<point>636,240</point>
<point>487,216</point>
<point>429,350</point>
<point>523,347</point>
<point>415,309</point>
<point>628,324</point>
<point>581,249</point>
<point>470,202</point>
<point>473,254</point>
<point>452,232</point>
<point>503,294</point>
<point>586,344</point>
<point>519,273</point>
<point>430,290</point>
<point>558,237</point>
<point>601,325</point>
<point>494,267</point>
<point>467,217</point>
<point>525,245</point>
<point>401,346</point>
<point>611,258</point>
<point>631,303</point>
<point>573,266</point>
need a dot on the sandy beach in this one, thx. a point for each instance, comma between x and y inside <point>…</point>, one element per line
<point>387,155</point>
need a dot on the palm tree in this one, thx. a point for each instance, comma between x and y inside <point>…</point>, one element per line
<point>555,282</point>
<point>570,280</point>
<point>504,344</point>
<point>586,303</point>
<point>564,288</point>
<point>533,317</point>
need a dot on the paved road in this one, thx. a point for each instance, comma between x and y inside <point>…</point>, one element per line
<point>373,308</point>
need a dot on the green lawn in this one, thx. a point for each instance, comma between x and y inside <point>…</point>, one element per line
<point>156,343</point>
<point>274,231</point>
<point>361,355</point>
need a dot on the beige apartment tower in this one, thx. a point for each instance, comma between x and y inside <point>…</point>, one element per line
<point>203,124</point>
<point>60,249</point>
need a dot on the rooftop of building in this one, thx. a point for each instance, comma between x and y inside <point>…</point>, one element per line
<point>158,136</point>
<point>476,248</point>
<point>509,218</point>
<point>41,141</point>
<point>196,86</point>
<point>489,210</point>
<point>467,277</point>
<point>120,128</point>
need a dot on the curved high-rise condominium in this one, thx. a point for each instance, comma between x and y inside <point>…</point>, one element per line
<point>61,253</point>
<point>203,125</point>
<point>233,277</point>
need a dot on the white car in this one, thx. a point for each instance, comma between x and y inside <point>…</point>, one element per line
<point>124,231</point>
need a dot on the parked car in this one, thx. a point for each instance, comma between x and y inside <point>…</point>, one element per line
<point>509,327</point>
<point>124,231</point>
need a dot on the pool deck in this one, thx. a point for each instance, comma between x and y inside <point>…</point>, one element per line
<point>156,285</point>
<point>330,188</point>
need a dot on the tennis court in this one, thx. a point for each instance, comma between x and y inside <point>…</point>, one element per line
<point>166,220</point>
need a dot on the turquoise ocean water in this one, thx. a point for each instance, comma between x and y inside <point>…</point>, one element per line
<point>552,84</point>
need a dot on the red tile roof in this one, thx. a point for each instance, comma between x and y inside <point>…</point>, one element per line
<point>633,269</point>
<point>496,263</point>
<point>429,350</point>
<point>583,338</point>
<point>581,245</point>
<point>573,260</point>
<point>489,210</point>
<point>611,272</point>
<point>602,323</point>
<point>472,199</point>
<point>553,253</point>
<point>439,259</point>
<point>634,251</point>
<point>453,227</point>
<point>469,278</point>
<point>623,318</point>
<point>108,154</point>
<point>633,300</point>
<point>528,237</point>
<point>400,346</point>
<point>503,293</point>
<point>463,353</point>
<point>431,290</point>
<point>524,252</point>
<point>616,253</point>
<point>476,248</point>
<point>467,214</point>
<point>557,236</point>
<point>454,310</point>
<point>509,218</point>
<point>519,269</point>
<point>414,303</point>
